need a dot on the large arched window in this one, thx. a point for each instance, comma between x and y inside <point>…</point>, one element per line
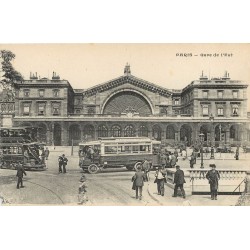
<point>170,133</point>
<point>126,102</point>
<point>116,131</point>
<point>143,131</point>
<point>232,132</point>
<point>157,132</point>
<point>102,131</point>
<point>129,131</point>
<point>89,132</point>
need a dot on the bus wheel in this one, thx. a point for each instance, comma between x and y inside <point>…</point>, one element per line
<point>137,164</point>
<point>93,169</point>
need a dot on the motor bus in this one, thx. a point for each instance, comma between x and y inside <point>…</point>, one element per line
<point>129,152</point>
<point>18,144</point>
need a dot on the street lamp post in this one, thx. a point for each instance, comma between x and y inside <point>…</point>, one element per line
<point>220,132</point>
<point>201,151</point>
<point>211,138</point>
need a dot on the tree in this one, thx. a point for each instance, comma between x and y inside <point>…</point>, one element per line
<point>10,77</point>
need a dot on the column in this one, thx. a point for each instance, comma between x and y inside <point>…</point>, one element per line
<point>227,139</point>
<point>48,137</point>
<point>52,134</point>
<point>64,135</point>
<point>212,135</point>
<point>178,135</point>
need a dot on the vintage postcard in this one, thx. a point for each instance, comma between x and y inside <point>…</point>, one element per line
<point>125,124</point>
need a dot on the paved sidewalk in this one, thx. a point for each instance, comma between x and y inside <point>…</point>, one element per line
<point>192,200</point>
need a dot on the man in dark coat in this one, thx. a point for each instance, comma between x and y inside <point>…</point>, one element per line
<point>192,161</point>
<point>46,153</point>
<point>138,182</point>
<point>19,174</point>
<point>64,163</point>
<point>60,162</point>
<point>237,153</point>
<point>179,181</point>
<point>213,177</point>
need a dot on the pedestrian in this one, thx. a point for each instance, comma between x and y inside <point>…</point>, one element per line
<point>46,152</point>
<point>82,190</point>
<point>42,157</point>
<point>184,154</point>
<point>19,174</point>
<point>91,153</point>
<point>179,181</point>
<point>237,153</point>
<point>138,182</point>
<point>192,161</point>
<point>160,180</point>
<point>176,154</point>
<point>168,161</point>
<point>213,177</point>
<point>60,161</point>
<point>146,169</point>
<point>163,160</point>
<point>64,163</point>
<point>172,160</point>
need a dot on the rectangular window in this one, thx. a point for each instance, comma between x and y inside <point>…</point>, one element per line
<point>205,94</point>
<point>26,92</point>
<point>235,110</point>
<point>56,92</point>
<point>56,108</point>
<point>41,92</point>
<point>26,109</point>
<point>220,94</point>
<point>235,93</point>
<point>205,110</point>
<point>110,149</point>
<point>220,111</point>
<point>176,102</point>
<point>41,109</point>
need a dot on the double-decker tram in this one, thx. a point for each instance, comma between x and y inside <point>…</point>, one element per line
<point>129,152</point>
<point>19,144</point>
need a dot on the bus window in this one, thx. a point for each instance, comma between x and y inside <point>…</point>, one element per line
<point>97,149</point>
<point>20,151</point>
<point>136,149</point>
<point>124,149</point>
<point>110,149</point>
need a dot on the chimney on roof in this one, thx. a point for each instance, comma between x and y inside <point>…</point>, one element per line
<point>127,70</point>
<point>55,77</point>
<point>202,77</point>
<point>33,76</point>
<point>226,76</point>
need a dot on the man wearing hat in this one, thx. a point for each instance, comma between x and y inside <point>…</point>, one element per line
<point>138,180</point>
<point>64,163</point>
<point>160,180</point>
<point>179,182</point>
<point>213,177</point>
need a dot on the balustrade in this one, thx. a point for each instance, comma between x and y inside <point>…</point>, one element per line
<point>196,180</point>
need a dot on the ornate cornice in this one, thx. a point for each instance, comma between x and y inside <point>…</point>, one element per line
<point>128,79</point>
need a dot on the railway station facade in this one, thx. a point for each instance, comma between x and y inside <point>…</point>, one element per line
<point>129,106</point>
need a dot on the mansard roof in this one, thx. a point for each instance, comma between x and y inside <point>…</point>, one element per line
<point>127,79</point>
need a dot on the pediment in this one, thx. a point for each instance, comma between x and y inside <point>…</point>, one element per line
<point>124,80</point>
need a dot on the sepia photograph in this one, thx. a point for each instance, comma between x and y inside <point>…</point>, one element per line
<point>124,124</point>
